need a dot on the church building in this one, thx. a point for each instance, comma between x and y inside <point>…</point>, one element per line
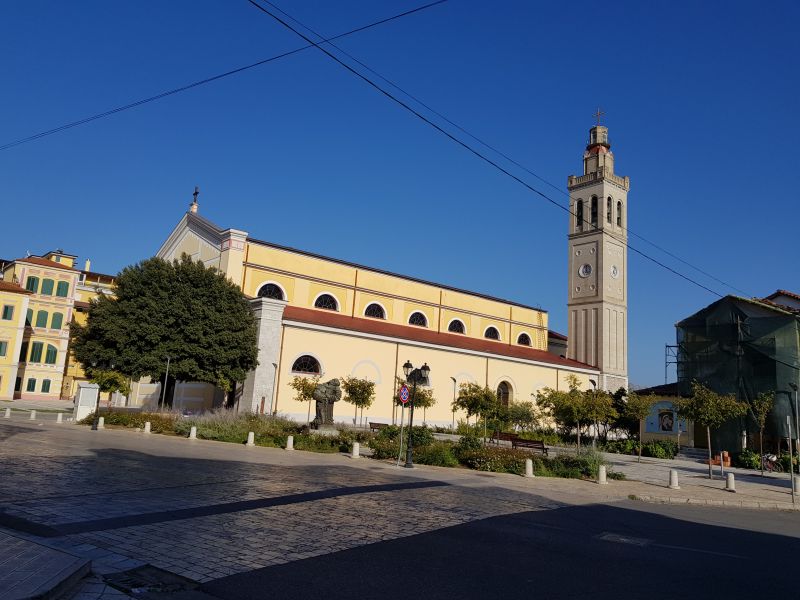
<point>321,316</point>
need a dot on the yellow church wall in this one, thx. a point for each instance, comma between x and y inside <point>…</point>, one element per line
<point>407,308</point>
<point>254,279</point>
<point>11,332</point>
<point>362,300</point>
<point>300,264</point>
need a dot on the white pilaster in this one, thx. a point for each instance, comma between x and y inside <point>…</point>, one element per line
<point>260,383</point>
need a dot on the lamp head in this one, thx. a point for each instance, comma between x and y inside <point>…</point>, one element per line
<point>407,368</point>
<point>793,386</point>
<point>594,383</point>
<point>425,369</point>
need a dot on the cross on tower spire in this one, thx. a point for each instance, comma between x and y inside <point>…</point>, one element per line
<point>599,113</point>
<point>193,206</point>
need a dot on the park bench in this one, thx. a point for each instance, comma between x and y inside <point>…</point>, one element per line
<point>377,426</point>
<point>535,445</point>
<point>499,436</point>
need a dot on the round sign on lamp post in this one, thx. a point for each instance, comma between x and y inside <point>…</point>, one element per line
<point>404,394</point>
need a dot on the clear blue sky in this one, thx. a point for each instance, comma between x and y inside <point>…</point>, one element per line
<point>701,101</point>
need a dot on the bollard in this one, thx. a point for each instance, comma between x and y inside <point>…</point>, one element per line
<point>673,480</point>
<point>60,418</point>
<point>730,483</point>
<point>356,449</point>
<point>33,415</point>
<point>8,413</point>
<point>251,439</point>
<point>147,426</point>
<point>193,433</point>
<point>528,467</point>
<point>601,475</point>
<point>290,442</point>
<point>101,423</point>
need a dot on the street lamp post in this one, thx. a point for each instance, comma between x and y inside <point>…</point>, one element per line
<point>414,377</point>
<point>796,423</point>
<point>454,404</point>
<point>164,390</point>
<point>594,397</point>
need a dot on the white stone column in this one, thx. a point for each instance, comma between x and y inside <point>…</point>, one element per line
<point>260,383</point>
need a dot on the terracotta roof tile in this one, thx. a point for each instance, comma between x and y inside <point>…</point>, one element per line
<point>556,335</point>
<point>419,334</point>
<point>7,286</point>
<point>43,262</point>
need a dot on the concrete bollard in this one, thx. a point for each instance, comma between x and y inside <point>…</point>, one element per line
<point>356,450</point>
<point>101,423</point>
<point>147,426</point>
<point>528,467</point>
<point>33,415</point>
<point>60,418</point>
<point>251,439</point>
<point>290,442</point>
<point>193,433</point>
<point>601,475</point>
<point>8,413</point>
<point>673,480</point>
<point>730,483</point>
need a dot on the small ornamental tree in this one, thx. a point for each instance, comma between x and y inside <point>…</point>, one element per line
<point>760,407</point>
<point>638,407</point>
<point>477,401</point>
<point>522,415</point>
<point>182,310</point>
<point>566,407</point>
<point>710,410</point>
<point>109,381</point>
<point>304,388</point>
<point>598,408</point>
<point>358,392</point>
<point>424,399</point>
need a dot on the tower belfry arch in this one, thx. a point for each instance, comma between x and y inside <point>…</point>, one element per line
<point>597,304</point>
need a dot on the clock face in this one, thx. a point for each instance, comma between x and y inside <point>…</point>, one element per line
<point>614,271</point>
<point>585,270</point>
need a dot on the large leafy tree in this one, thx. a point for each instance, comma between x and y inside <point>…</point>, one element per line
<point>710,410</point>
<point>566,407</point>
<point>181,310</point>
<point>638,407</point>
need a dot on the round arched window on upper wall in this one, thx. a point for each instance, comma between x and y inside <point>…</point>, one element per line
<point>608,210</point>
<point>375,311</point>
<point>579,215</point>
<point>270,290</point>
<point>306,364</point>
<point>619,214</point>
<point>419,319</point>
<point>456,326</point>
<point>504,393</point>
<point>524,339</point>
<point>491,333</point>
<point>327,302</point>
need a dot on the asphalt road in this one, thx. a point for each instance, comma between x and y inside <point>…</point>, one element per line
<point>620,551</point>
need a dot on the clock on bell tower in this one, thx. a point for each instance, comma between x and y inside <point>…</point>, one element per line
<point>598,264</point>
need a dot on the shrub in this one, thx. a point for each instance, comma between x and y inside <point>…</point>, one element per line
<point>465,428</point>
<point>383,448</point>
<point>468,443</point>
<point>496,460</point>
<point>159,422</point>
<point>654,449</point>
<point>549,436</point>
<point>626,446</point>
<point>439,454</point>
<point>747,459</point>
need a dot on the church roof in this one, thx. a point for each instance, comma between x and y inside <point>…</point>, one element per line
<point>427,336</point>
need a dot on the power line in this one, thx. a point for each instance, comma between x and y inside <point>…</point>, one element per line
<point>466,146</point>
<point>209,79</point>
<point>488,145</point>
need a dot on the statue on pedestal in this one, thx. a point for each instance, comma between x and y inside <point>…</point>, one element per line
<point>325,395</point>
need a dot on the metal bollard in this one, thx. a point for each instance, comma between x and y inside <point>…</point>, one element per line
<point>251,439</point>
<point>290,442</point>
<point>60,418</point>
<point>101,423</point>
<point>193,433</point>
<point>730,483</point>
<point>601,475</point>
<point>673,480</point>
<point>356,449</point>
<point>528,467</point>
<point>8,413</point>
<point>147,426</point>
<point>33,415</point>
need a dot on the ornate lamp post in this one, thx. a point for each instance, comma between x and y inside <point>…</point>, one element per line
<point>414,377</point>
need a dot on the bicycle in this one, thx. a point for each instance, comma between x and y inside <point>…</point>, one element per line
<point>769,462</point>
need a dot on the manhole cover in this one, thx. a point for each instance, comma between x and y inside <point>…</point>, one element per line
<point>148,579</point>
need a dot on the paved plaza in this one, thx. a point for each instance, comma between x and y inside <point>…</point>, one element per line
<point>207,512</point>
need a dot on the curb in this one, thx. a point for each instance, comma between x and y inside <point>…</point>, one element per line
<point>723,503</point>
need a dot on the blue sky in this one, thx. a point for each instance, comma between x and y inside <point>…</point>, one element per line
<point>701,103</point>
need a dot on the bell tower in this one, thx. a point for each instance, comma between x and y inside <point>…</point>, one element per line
<point>598,264</point>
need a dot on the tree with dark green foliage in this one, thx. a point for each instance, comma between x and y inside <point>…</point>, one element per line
<point>181,310</point>
<point>424,399</point>
<point>566,407</point>
<point>710,410</point>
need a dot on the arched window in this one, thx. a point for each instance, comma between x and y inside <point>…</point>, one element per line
<point>524,339</point>
<point>491,333</point>
<point>594,211</point>
<point>32,284</point>
<point>504,393</point>
<point>579,216</point>
<point>57,321</point>
<point>47,287</point>
<point>456,326</point>
<point>271,290</point>
<point>375,311</point>
<point>327,302</point>
<point>36,352</point>
<point>418,319</point>
<point>619,214</point>
<point>51,355</point>
<point>608,210</point>
<point>29,317</point>
<point>41,318</point>
<point>306,364</point>
<point>62,289</point>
